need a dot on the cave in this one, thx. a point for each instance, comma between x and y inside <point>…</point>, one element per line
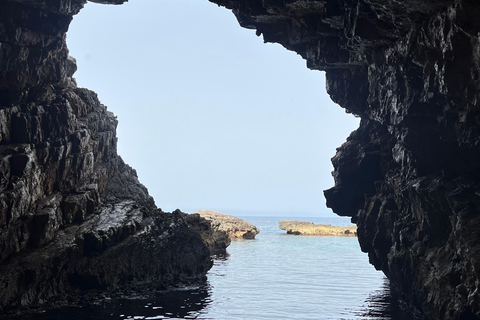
<point>408,176</point>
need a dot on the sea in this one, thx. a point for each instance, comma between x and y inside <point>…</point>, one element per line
<point>275,276</point>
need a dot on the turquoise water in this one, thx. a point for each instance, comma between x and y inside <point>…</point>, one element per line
<point>276,276</point>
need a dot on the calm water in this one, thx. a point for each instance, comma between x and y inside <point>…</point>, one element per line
<point>276,276</point>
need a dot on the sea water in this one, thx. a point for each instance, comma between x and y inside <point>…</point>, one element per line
<point>275,276</point>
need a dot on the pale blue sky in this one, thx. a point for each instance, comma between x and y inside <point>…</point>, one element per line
<point>210,116</point>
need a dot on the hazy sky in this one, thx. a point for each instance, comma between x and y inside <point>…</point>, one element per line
<point>210,116</point>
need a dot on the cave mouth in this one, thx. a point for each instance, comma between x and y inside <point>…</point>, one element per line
<point>209,115</point>
<point>61,160</point>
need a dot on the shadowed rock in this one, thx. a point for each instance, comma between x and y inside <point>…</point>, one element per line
<point>312,229</point>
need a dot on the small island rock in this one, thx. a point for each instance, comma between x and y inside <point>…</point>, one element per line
<point>312,229</point>
<point>236,228</point>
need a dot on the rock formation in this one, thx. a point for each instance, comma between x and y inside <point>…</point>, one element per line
<point>311,229</point>
<point>234,227</point>
<point>74,219</point>
<point>409,175</point>
<point>218,241</point>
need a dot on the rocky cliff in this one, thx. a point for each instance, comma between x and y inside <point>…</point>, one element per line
<point>74,220</point>
<point>409,176</point>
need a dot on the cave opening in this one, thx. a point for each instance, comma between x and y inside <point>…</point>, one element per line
<point>261,145</point>
<point>65,190</point>
<point>209,115</point>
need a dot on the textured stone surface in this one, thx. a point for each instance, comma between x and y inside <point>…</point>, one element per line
<point>311,229</point>
<point>74,219</point>
<point>409,176</point>
<point>234,227</point>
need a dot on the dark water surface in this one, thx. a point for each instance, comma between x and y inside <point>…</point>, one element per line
<point>276,276</point>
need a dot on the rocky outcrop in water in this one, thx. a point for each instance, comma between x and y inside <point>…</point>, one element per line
<point>409,176</point>
<point>311,229</point>
<point>74,219</point>
<point>234,227</point>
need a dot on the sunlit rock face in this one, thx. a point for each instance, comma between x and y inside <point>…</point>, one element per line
<point>74,220</point>
<point>409,176</point>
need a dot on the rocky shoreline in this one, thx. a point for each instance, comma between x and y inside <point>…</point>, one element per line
<point>234,227</point>
<point>311,229</point>
<point>84,264</point>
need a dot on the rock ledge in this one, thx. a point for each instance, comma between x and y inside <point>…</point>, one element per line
<point>236,228</point>
<point>311,229</point>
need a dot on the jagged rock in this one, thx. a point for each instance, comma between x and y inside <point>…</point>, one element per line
<point>410,175</point>
<point>312,229</point>
<point>116,252</point>
<point>234,227</point>
<point>74,219</point>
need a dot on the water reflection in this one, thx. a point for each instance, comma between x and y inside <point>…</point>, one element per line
<point>273,277</point>
<point>181,303</point>
<point>378,305</point>
<point>195,302</point>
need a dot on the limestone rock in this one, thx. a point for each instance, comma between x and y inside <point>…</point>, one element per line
<point>312,229</point>
<point>236,228</point>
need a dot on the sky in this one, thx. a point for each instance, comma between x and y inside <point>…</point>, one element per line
<point>210,116</point>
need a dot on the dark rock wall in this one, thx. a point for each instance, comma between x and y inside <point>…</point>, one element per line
<point>409,176</point>
<point>74,218</point>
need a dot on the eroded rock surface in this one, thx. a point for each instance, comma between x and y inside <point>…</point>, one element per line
<point>410,175</point>
<point>74,219</point>
<point>234,227</point>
